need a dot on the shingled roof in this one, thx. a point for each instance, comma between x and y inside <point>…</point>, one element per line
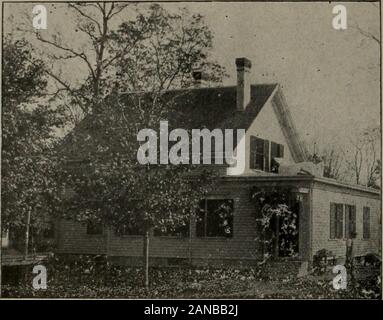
<point>197,108</point>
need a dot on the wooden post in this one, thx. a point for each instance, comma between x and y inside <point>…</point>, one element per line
<point>26,249</point>
<point>190,240</point>
<point>146,258</point>
<point>276,248</point>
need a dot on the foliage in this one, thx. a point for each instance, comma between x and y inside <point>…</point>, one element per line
<point>320,261</point>
<point>87,278</point>
<point>113,188</point>
<point>28,138</point>
<point>152,50</point>
<point>166,46</point>
<point>272,204</point>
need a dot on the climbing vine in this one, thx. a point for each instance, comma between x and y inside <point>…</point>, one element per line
<point>273,211</point>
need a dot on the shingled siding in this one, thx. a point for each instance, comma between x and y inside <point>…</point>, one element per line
<point>243,246</point>
<point>72,238</point>
<point>323,194</point>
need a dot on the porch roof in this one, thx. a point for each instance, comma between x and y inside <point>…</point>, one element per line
<point>303,178</point>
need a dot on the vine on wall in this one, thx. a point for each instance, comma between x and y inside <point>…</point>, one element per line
<point>273,211</point>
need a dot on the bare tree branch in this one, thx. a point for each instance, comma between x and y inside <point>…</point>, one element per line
<point>75,7</point>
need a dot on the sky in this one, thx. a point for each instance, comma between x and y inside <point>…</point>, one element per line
<point>331,78</point>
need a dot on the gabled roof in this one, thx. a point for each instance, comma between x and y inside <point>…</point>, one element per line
<point>211,108</point>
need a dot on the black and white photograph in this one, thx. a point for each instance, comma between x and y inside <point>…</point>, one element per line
<point>191,150</point>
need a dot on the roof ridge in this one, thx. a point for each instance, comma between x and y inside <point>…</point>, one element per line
<point>203,88</point>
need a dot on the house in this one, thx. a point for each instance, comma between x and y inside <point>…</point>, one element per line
<point>327,210</point>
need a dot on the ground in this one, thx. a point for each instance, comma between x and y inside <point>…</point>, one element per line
<point>89,280</point>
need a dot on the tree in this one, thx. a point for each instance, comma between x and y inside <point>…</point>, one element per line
<point>372,152</point>
<point>171,45</point>
<point>28,185</point>
<point>332,158</point>
<point>372,35</point>
<point>112,188</point>
<point>95,54</point>
<point>362,157</point>
<point>113,55</point>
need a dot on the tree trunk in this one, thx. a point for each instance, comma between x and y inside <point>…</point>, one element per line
<point>146,258</point>
<point>350,262</point>
<point>276,247</point>
<point>26,249</point>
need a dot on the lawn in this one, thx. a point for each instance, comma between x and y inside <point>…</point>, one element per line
<point>84,279</point>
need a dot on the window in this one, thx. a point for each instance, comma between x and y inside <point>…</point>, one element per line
<point>259,154</point>
<point>276,151</point>
<point>128,230</point>
<point>336,221</point>
<point>94,228</point>
<point>263,154</point>
<point>49,233</point>
<point>350,212</point>
<point>180,231</point>
<point>215,218</point>
<point>366,223</point>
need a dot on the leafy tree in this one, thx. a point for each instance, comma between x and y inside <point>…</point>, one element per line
<point>28,187</point>
<point>149,51</point>
<point>171,45</point>
<point>110,187</point>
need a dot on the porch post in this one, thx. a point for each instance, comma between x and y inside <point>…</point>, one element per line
<point>304,226</point>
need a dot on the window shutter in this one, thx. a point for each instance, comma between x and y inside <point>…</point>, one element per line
<point>253,142</point>
<point>273,154</point>
<point>340,221</point>
<point>366,222</point>
<point>347,221</point>
<point>353,219</point>
<point>259,154</point>
<point>280,150</point>
<point>267,158</point>
<point>332,220</point>
<point>274,150</point>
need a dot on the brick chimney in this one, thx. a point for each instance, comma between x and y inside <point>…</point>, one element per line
<point>243,82</point>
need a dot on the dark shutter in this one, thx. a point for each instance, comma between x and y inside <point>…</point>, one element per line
<point>332,220</point>
<point>347,221</point>
<point>253,142</point>
<point>366,222</point>
<point>274,150</point>
<point>273,154</point>
<point>259,154</point>
<point>350,222</point>
<point>267,158</point>
<point>280,150</point>
<point>339,221</point>
<point>353,220</point>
